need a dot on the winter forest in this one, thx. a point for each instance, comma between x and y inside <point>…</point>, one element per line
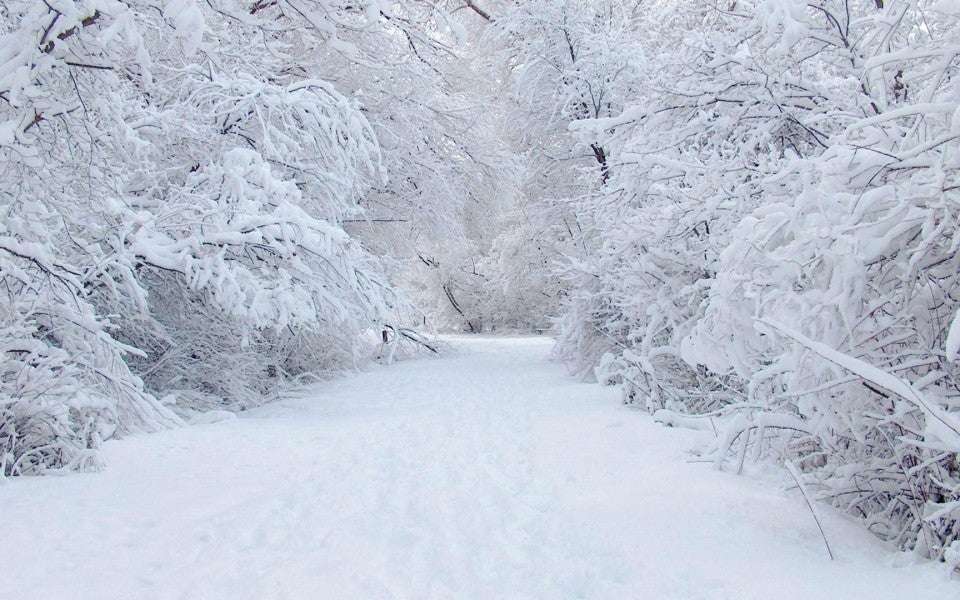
<point>731,228</point>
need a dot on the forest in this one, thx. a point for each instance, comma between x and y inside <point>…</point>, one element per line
<point>742,215</point>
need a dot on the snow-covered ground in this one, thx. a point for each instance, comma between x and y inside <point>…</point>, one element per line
<point>487,473</point>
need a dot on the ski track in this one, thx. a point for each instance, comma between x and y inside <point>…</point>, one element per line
<point>486,473</point>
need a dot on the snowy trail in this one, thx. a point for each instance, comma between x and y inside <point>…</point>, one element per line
<point>487,473</point>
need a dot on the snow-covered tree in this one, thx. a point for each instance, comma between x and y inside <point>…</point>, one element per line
<point>775,244</point>
<point>834,298</point>
<point>178,209</point>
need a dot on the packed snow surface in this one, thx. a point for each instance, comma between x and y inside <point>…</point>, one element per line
<point>487,473</point>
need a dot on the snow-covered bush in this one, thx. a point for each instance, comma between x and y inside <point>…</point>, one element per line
<point>175,227</point>
<point>834,298</point>
<point>685,162</point>
<point>775,241</point>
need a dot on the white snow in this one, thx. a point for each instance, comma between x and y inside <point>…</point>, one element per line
<point>953,339</point>
<point>486,473</point>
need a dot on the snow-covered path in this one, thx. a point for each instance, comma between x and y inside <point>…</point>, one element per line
<point>487,473</point>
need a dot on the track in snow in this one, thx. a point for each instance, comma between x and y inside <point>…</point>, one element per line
<point>487,473</point>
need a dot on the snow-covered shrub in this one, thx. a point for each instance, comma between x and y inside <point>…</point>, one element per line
<point>775,241</point>
<point>686,160</point>
<point>834,299</point>
<point>176,218</point>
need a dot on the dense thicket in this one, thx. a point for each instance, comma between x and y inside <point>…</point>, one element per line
<point>179,182</point>
<point>763,230</point>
